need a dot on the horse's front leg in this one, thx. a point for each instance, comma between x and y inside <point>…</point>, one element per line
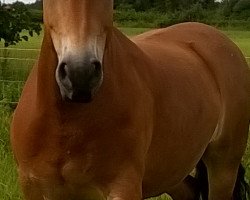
<point>188,189</point>
<point>128,186</point>
<point>126,193</point>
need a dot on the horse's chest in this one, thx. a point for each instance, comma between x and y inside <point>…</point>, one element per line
<point>70,179</point>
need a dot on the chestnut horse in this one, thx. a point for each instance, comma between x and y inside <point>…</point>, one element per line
<point>105,117</point>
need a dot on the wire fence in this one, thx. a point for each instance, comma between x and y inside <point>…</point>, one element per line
<point>15,65</point>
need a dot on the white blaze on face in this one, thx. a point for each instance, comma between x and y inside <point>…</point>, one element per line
<point>78,26</point>
<point>66,46</point>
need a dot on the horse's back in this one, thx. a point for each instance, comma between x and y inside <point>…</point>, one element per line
<point>223,58</point>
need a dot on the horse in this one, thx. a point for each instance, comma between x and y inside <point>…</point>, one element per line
<point>102,116</point>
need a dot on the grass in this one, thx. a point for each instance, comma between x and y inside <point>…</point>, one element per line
<point>9,91</point>
<point>8,177</point>
<point>242,39</point>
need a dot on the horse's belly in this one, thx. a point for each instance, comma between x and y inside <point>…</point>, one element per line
<point>168,167</point>
<point>171,161</point>
<point>181,134</point>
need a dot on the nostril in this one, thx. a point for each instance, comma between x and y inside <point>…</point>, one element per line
<point>97,65</point>
<point>62,70</point>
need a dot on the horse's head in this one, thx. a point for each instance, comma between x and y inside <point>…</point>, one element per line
<point>78,29</point>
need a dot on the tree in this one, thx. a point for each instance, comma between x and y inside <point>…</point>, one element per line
<point>242,9</point>
<point>242,5</point>
<point>38,5</point>
<point>13,20</point>
<point>228,6</point>
<point>208,4</point>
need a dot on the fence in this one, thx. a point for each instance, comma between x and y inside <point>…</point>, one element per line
<point>15,65</point>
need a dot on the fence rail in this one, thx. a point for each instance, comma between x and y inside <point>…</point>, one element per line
<point>18,49</point>
<point>4,58</point>
<point>14,71</point>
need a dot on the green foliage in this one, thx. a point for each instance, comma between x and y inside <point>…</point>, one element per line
<point>13,19</point>
<point>195,13</point>
<point>128,17</point>
<point>37,5</point>
<point>164,5</point>
<point>237,9</point>
<point>242,5</point>
<point>131,18</point>
<point>163,13</point>
<point>36,15</point>
<point>241,10</point>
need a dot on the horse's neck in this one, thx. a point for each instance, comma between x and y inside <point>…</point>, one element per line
<point>121,54</point>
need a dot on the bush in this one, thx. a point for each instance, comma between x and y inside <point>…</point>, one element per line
<point>152,19</point>
<point>195,13</point>
<point>37,15</point>
<point>131,18</point>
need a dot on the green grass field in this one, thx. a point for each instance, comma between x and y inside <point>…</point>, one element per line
<point>13,70</point>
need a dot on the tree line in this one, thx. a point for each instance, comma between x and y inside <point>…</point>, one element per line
<point>238,9</point>
<point>163,5</point>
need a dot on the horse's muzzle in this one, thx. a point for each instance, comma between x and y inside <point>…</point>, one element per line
<point>79,80</point>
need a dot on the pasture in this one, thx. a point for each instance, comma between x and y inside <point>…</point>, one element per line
<point>14,67</point>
